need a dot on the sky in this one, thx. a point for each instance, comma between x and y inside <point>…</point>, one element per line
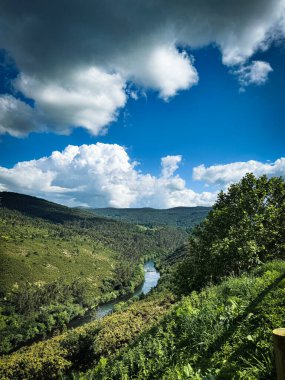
<point>140,104</point>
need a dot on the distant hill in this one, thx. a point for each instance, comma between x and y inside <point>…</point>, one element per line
<point>40,208</point>
<point>185,217</point>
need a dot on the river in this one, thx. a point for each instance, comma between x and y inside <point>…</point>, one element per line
<point>151,277</point>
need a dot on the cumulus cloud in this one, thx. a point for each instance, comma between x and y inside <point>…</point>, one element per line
<point>163,68</point>
<point>86,98</point>
<point>229,173</point>
<point>125,41</point>
<point>254,73</point>
<point>101,175</point>
<point>169,165</point>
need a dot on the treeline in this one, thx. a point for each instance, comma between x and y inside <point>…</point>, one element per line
<point>124,280</point>
<point>245,228</point>
<point>184,217</point>
<point>131,240</point>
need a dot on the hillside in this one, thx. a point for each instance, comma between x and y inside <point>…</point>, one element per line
<point>122,238</point>
<point>184,217</point>
<point>88,259</point>
<point>41,208</point>
<point>220,333</point>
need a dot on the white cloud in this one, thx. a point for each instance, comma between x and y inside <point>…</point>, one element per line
<point>229,173</point>
<point>122,42</point>
<point>89,97</point>
<point>86,98</point>
<point>169,165</point>
<point>101,175</point>
<point>254,73</point>
<point>161,68</point>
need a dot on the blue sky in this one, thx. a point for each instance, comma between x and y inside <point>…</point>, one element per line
<point>224,118</point>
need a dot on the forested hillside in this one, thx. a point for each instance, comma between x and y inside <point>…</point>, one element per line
<point>56,262</point>
<point>184,217</point>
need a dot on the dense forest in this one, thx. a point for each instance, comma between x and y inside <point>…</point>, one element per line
<point>184,217</point>
<point>221,293</point>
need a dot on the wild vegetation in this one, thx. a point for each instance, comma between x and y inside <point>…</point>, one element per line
<point>56,262</point>
<point>222,332</point>
<point>211,317</point>
<point>84,346</point>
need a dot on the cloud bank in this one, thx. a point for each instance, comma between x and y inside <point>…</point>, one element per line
<point>75,60</point>
<point>102,175</point>
<point>226,174</point>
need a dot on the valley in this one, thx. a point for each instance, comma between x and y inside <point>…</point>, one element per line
<point>164,302</point>
<point>59,263</point>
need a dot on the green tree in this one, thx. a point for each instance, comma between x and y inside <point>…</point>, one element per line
<point>245,228</point>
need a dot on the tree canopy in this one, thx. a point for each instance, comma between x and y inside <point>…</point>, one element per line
<point>245,228</point>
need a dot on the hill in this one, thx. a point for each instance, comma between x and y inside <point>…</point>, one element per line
<point>184,217</point>
<point>41,208</point>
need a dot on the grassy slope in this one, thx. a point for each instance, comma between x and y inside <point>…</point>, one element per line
<point>84,346</point>
<point>35,250</point>
<point>38,207</point>
<point>222,332</point>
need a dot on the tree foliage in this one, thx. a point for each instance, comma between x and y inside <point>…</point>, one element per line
<point>245,228</point>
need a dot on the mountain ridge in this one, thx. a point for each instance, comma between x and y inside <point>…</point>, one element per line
<point>181,216</point>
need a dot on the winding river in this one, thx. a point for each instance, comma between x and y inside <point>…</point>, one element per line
<point>151,277</point>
